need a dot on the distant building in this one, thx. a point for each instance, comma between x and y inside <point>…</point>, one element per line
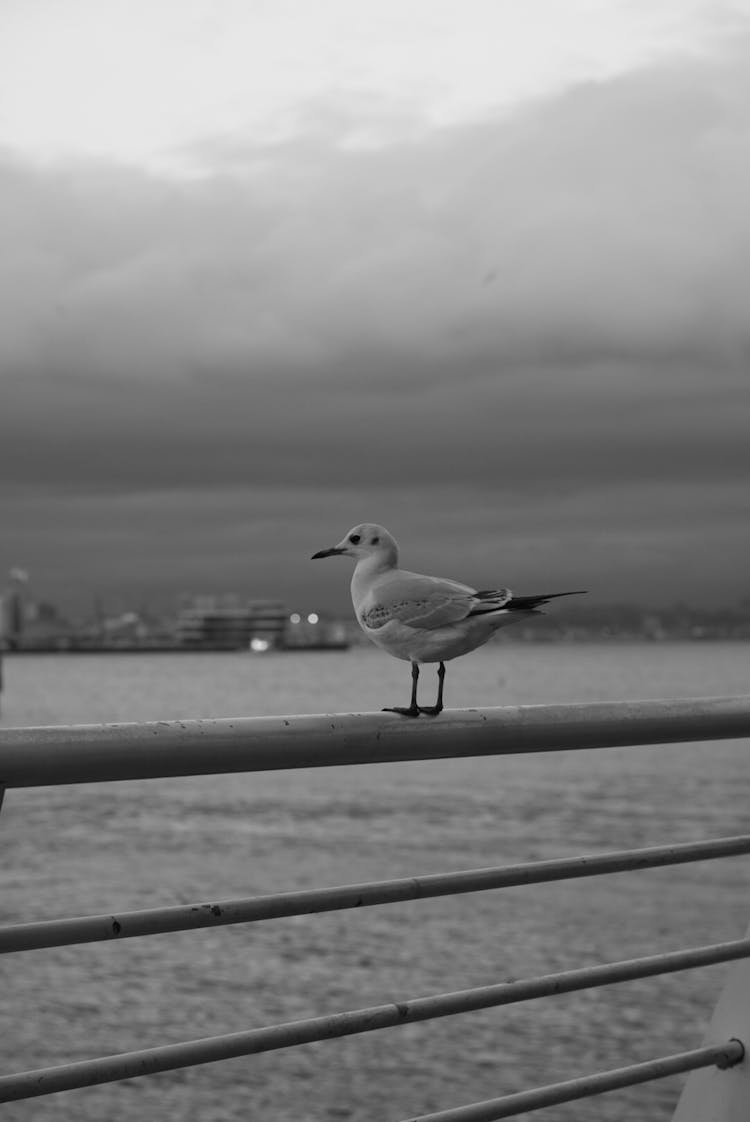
<point>230,623</point>
<point>13,609</point>
<point>313,632</point>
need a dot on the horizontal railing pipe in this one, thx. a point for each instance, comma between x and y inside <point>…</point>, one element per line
<point>169,1057</point>
<point>153,921</point>
<point>717,1055</point>
<point>36,757</point>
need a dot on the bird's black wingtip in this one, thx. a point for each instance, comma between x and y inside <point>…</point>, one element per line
<point>533,603</point>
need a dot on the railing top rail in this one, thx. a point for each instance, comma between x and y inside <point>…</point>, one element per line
<point>36,757</point>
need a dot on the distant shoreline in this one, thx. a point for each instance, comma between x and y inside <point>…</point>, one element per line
<point>167,649</point>
<point>339,647</point>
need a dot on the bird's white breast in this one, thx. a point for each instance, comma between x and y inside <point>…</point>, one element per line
<point>436,645</point>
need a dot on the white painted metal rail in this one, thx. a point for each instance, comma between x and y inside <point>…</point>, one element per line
<point>36,757</point>
<point>95,753</point>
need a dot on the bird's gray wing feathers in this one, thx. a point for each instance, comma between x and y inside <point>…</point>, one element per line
<point>491,600</point>
<point>424,602</point>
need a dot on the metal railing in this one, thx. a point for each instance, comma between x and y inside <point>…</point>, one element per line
<point>37,757</point>
<point>95,753</point>
<point>156,921</point>
<point>722,1056</point>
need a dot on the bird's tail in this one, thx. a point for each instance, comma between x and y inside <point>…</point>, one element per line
<point>534,603</point>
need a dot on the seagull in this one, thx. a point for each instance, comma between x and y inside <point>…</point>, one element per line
<point>420,618</point>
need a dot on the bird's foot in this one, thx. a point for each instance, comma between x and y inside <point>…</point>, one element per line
<point>431,710</point>
<point>412,711</point>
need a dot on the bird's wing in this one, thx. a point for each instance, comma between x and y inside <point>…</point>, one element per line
<point>424,602</point>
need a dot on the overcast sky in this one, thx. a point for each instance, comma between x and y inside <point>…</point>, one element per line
<point>477,270</point>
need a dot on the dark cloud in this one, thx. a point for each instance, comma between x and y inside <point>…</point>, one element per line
<point>623,543</point>
<point>489,325</point>
<point>537,430</point>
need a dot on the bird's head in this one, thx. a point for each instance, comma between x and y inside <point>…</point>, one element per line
<point>364,541</point>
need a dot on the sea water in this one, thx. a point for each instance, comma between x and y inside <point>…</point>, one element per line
<point>112,847</point>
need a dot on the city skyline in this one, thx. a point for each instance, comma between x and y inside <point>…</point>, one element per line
<point>501,309</point>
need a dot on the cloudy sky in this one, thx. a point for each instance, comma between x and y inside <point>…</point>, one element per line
<point>475,269</point>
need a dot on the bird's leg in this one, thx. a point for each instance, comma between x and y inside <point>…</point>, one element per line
<point>433,710</point>
<point>413,710</point>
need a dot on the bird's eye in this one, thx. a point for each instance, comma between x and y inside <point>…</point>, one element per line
<point>354,539</point>
<point>375,541</point>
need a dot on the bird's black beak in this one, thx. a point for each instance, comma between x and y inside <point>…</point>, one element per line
<point>327,553</point>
